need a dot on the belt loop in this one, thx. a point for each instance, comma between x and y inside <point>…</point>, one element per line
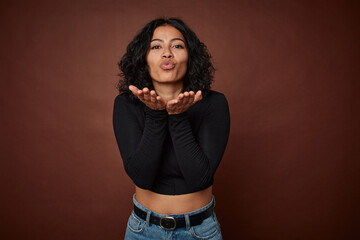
<point>187,221</point>
<point>148,214</point>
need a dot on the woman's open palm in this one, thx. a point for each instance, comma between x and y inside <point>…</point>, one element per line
<point>174,106</point>
<point>183,102</point>
<point>149,98</point>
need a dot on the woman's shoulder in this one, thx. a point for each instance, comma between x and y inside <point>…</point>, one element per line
<point>215,97</point>
<point>124,101</point>
<point>211,103</point>
<point>125,98</point>
<point>214,93</point>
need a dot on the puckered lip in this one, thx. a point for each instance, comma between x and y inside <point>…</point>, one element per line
<point>167,64</point>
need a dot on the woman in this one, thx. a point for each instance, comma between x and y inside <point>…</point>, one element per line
<point>172,131</point>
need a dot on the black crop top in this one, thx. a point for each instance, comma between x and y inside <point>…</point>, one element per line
<point>172,154</point>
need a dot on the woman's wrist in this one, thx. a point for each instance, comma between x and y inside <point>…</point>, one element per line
<point>175,112</point>
<point>155,113</point>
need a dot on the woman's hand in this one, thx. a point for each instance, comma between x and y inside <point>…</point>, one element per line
<point>149,98</point>
<point>183,102</point>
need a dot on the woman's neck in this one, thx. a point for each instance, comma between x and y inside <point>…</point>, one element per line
<point>168,91</point>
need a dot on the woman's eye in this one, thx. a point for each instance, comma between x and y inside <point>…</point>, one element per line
<point>178,46</point>
<point>155,47</point>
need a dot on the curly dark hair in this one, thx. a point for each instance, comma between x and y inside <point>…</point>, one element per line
<point>134,68</point>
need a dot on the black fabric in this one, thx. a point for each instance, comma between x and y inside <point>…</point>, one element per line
<point>179,222</point>
<point>172,154</point>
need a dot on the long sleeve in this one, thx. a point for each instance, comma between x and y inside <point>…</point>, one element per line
<point>140,143</point>
<point>199,156</point>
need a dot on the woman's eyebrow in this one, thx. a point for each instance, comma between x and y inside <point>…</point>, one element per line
<point>157,39</point>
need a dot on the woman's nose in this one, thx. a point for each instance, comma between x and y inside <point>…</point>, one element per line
<point>167,53</point>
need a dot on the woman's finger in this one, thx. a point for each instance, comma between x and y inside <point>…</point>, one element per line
<point>146,92</point>
<point>153,96</point>
<point>191,97</point>
<point>133,89</point>
<point>140,95</point>
<point>137,92</point>
<point>198,96</point>
<point>186,98</point>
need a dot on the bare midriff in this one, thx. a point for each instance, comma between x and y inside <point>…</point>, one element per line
<point>173,204</point>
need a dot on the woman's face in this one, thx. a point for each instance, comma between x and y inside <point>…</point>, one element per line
<point>167,56</point>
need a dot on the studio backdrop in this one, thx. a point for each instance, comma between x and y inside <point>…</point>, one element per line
<point>289,70</point>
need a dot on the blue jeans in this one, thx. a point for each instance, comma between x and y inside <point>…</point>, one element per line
<point>138,228</point>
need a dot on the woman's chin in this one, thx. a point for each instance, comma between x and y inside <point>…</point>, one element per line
<point>168,80</point>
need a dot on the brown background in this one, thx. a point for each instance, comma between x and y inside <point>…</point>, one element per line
<point>290,71</point>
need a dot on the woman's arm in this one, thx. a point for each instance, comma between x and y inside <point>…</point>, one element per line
<point>199,157</point>
<point>140,147</point>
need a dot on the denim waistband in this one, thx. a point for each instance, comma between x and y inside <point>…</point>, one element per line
<point>174,215</point>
